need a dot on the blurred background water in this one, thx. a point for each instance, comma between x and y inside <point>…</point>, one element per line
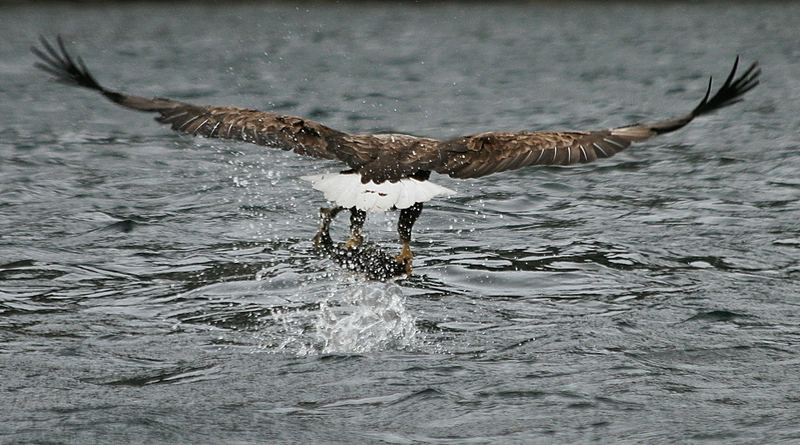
<point>159,288</point>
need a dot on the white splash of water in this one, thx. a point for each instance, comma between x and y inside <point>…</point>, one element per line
<point>356,317</point>
<point>370,317</point>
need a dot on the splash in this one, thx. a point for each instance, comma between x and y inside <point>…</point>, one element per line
<point>371,317</point>
<point>356,317</point>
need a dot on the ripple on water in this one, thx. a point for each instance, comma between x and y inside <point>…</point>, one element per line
<point>160,288</point>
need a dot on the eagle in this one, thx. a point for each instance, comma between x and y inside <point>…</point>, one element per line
<point>386,170</point>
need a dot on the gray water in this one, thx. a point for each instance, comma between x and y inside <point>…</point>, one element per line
<point>156,288</point>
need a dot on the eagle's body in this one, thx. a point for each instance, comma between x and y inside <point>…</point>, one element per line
<point>392,170</point>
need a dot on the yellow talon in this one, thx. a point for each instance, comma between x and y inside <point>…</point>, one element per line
<point>354,242</point>
<point>406,257</point>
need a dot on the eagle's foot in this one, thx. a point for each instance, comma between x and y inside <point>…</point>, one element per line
<point>354,242</point>
<point>405,258</point>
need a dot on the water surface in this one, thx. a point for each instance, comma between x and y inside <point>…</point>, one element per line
<point>160,288</point>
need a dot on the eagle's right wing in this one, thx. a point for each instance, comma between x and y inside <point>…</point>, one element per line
<point>491,152</point>
<point>303,136</point>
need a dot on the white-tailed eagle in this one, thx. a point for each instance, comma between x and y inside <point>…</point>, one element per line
<point>391,171</point>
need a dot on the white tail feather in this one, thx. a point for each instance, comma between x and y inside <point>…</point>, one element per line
<point>347,190</point>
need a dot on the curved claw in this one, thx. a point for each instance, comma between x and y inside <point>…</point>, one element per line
<point>354,242</point>
<point>405,258</point>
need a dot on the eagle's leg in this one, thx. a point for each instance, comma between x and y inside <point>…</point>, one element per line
<point>323,236</point>
<point>407,219</point>
<point>357,218</point>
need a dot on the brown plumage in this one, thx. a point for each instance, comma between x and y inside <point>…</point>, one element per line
<point>382,157</point>
<point>378,158</point>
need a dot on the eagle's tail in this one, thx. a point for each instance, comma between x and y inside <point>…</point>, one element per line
<point>348,190</point>
<point>72,71</point>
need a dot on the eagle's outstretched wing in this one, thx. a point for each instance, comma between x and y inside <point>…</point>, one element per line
<point>303,136</point>
<point>392,156</point>
<point>491,152</point>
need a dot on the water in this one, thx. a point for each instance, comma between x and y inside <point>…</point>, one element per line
<point>158,288</point>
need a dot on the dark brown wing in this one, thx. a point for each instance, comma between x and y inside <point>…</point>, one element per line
<point>294,133</point>
<point>487,153</point>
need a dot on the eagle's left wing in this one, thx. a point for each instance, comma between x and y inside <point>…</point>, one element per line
<point>486,153</point>
<point>303,136</point>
